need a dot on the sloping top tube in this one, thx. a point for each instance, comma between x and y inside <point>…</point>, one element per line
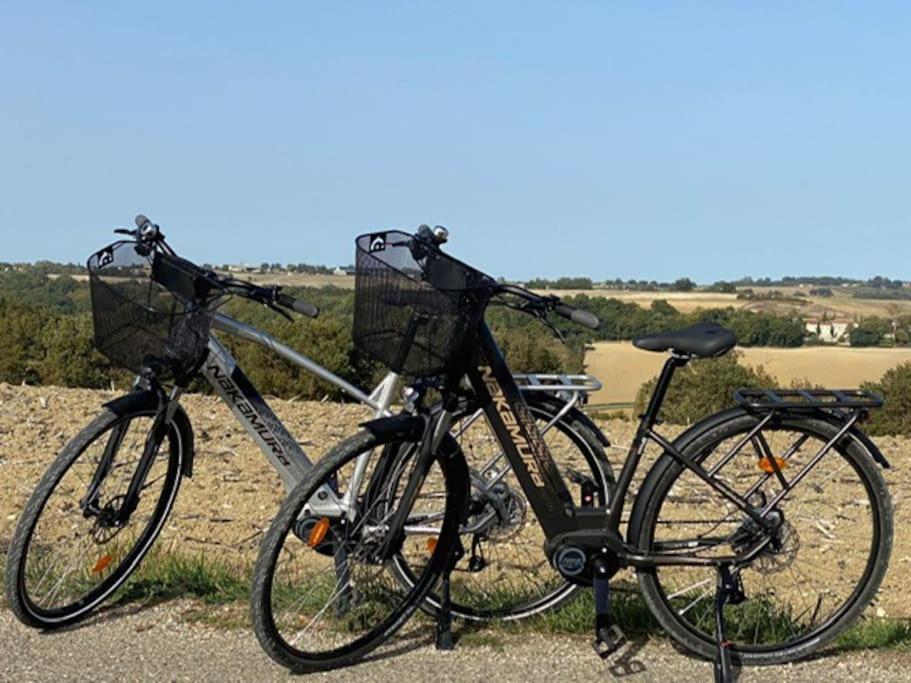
<point>223,323</point>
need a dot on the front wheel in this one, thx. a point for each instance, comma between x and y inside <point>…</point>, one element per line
<point>71,549</point>
<point>323,596</point>
<point>827,556</point>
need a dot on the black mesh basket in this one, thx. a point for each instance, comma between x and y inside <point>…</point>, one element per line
<point>415,308</point>
<point>149,311</point>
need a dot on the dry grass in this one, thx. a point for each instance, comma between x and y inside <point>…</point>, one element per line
<point>222,511</point>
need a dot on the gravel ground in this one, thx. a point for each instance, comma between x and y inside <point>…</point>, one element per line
<point>132,644</point>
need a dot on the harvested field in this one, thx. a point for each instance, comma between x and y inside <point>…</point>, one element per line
<point>234,492</point>
<point>623,368</point>
<point>223,510</point>
<point>682,301</point>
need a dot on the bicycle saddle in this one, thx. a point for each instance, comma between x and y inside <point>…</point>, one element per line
<point>704,340</point>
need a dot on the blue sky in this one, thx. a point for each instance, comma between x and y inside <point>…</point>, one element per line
<point>643,140</point>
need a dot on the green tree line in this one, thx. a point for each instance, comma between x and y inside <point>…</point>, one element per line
<point>47,335</point>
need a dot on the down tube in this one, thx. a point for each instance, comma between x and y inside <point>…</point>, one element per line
<point>252,411</point>
<point>520,438</point>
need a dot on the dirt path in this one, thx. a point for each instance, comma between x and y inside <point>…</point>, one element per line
<point>154,644</point>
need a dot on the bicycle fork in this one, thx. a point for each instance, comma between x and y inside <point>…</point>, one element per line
<point>434,432</point>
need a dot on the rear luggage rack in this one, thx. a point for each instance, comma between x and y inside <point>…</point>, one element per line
<point>556,383</point>
<point>809,399</point>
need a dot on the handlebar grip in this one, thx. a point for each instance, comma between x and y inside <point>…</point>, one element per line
<point>298,306</point>
<point>578,316</point>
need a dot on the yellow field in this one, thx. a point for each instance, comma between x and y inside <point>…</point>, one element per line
<point>682,301</point>
<point>840,305</point>
<point>622,368</point>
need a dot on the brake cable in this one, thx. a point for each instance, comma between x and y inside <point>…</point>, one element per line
<point>537,310</point>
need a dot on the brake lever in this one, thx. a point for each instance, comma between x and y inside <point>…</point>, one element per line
<point>553,328</point>
<point>271,303</point>
<point>539,311</point>
<point>283,312</point>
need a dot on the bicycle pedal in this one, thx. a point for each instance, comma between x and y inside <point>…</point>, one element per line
<point>608,640</point>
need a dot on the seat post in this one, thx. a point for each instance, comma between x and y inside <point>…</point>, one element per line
<point>646,421</point>
<point>650,416</point>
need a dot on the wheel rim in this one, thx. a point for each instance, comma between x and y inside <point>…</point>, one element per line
<point>332,598</point>
<point>71,562</point>
<point>827,553</point>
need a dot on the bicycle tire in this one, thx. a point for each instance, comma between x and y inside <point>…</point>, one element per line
<point>22,606</point>
<point>665,474</point>
<point>264,576</point>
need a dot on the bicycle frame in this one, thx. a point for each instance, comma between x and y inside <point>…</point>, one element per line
<point>281,449</point>
<point>598,528</point>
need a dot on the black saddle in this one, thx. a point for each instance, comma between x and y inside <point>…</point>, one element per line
<point>704,340</point>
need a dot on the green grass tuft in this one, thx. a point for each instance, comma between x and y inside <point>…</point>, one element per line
<point>218,585</point>
<point>166,576</point>
<point>876,633</point>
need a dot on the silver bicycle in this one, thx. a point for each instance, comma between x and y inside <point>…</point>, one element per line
<point>102,503</point>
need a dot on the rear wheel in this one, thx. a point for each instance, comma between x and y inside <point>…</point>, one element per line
<point>322,593</point>
<point>68,553</point>
<point>828,555</point>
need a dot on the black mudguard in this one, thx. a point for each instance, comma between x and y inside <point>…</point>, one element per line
<point>404,426</point>
<point>149,401</point>
<point>411,428</point>
<point>134,402</point>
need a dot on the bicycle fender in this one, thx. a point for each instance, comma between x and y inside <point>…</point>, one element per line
<point>412,427</point>
<point>860,436</point>
<point>148,400</point>
<point>404,426</point>
<point>134,402</point>
<point>871,448</point>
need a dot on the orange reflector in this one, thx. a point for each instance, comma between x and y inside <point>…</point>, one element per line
<point>766,465</point>
<point>318,532</point>
<point>103,563</point>
<point>432,544</point>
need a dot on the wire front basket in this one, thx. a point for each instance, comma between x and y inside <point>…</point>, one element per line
<point>149,311</point>
<point>415,308</point>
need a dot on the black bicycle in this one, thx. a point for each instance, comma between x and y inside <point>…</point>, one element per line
<point>758,535</point>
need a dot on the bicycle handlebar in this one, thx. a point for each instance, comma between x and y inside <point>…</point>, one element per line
<point>578,316</point>
<point>272,297</point>
<point>552,303</point>
<point>148,233</point>
<point>297,305</point>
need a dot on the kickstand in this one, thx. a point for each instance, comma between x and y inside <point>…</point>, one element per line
<point>608,636</point>
<point>729,590</point>
<point>444,639</point>
<point>343,577</point>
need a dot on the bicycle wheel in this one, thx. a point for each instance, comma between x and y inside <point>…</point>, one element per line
<point>504,574</point>
<point>322,596</point>
<point>67,557</point>
<point>827,558</point>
